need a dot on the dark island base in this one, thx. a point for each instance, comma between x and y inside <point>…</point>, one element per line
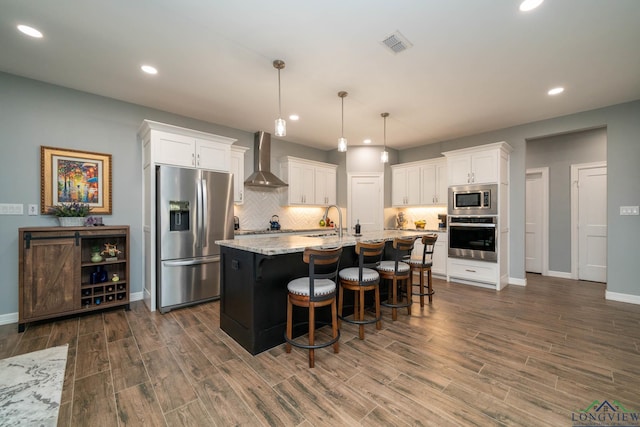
<point>253,296</point>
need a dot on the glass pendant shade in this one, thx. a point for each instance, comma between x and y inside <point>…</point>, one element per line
<point>280,124</point>
<point>384,156</point>
<point>281,127</point>
<point>342,144</point>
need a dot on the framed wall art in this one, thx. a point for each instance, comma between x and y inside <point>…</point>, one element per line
<point>68,176</point>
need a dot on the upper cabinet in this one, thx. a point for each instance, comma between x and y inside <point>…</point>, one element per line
<point>434,182</point>
<point>405,184</point>
<point>310,182</point>
<point>419,183</point>
<point>176,146</point>
<point>477,165</point>
<point>237,169</point>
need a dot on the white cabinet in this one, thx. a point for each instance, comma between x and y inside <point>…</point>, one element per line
<point>310,183</point>
<point>172,145</point>
<point>405,185</point>
<point>434,183</point>
<point>237,169</point>
<point>440,252</point>
<point>477,165</point>
<point>325,185</point>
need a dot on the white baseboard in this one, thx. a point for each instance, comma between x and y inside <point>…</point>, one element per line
<point>517,282</point>
<point>5,319</point>
<point>616,296</point>
<point>560,274</point>
<point>8,318</point>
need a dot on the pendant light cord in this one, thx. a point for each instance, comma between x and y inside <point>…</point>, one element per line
<point>279,97</point>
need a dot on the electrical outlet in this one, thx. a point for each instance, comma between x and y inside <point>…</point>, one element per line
<point>629,210</point>
<point>33,209</point>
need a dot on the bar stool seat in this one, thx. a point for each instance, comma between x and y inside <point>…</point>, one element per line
<point>423,265</point>
<point>398,274</point>
<point>316,290</point>
<point>362,279</point>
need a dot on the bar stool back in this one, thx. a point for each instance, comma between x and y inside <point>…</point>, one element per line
<point>316,290</point>
<point>423,265</point>
<point>398,273</point>
<point>360,279</point>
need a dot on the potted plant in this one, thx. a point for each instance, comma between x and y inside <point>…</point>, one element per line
<point>70,214</point>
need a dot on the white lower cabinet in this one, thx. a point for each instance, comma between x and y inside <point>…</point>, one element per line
<point>440,251</point>
<point>475,271</point>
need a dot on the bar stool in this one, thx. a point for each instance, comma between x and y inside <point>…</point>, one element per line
<point>361,279</point>
<point>398,273</point>
<point>423,264</point>
<point>316,290</point>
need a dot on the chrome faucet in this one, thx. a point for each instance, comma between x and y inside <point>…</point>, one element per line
<point>326,212</point>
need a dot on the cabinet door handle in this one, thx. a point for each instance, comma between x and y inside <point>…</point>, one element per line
<point>241,196</point>
<point>198,159</point>
<point>470,271</point>
<point>193,159</point>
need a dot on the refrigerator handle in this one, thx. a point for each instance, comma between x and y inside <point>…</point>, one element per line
<point>205,212</point>
<point>199,214</point>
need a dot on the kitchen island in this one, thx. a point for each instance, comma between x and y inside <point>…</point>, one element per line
<point>254,277</point>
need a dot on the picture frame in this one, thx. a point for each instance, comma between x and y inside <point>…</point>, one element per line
<point>68,176</point>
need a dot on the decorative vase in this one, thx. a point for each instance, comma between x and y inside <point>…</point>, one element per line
<point>71,221</point>
<point>96,257</point>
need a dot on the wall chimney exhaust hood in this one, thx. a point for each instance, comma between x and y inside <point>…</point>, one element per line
<point>262,176</point>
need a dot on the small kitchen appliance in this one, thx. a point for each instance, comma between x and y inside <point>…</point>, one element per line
<point>479,199</point>
<point>274,224</point>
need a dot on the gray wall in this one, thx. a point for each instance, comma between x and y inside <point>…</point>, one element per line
<point>623,176</point>
<point>35,114</point>
<point>558,153</point>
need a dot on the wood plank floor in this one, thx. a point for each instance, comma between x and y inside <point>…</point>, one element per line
<point>524,356</point>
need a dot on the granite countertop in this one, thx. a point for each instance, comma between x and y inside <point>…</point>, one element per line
<point>283,243</point>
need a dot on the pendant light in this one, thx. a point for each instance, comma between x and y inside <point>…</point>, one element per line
<point>281,125</point>
<point>342,141</point>
<point>384,156</point>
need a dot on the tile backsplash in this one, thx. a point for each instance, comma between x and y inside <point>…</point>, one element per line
<point>261,204</point>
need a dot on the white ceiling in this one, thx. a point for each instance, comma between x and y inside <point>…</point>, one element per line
<point>474,65</point>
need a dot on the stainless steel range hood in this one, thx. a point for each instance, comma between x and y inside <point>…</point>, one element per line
<point>262,176</point>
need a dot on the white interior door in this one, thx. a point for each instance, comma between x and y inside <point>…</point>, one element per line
<point>533,222</point>
<point>592,223</point>
<point>365,201</point>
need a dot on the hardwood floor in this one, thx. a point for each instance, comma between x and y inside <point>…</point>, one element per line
<point>531,355</point>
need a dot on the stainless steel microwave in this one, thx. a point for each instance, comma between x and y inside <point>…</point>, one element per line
<point>478,199</point>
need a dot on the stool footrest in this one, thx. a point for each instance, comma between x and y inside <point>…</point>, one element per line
<point>398,305</point>
<point>307,346</point>
<point>360,322</point>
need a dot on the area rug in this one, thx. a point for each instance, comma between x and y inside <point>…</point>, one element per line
<point>31,387</point>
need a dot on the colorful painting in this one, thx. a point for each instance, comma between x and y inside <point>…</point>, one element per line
<point>75,176</point>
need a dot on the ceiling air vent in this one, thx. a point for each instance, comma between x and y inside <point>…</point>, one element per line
<point>397,42</point>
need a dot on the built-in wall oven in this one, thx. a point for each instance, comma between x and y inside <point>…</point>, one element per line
<point>473,237</point>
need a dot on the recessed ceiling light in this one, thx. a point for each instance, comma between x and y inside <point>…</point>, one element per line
<point>30,31</point>
<point>556,91</point>
<point>294,117</point>
<point>528,5</point>
<point>367,141</point>
<point>149,69</point>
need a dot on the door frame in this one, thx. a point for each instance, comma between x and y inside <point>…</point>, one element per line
<point>575,170</point>
<point>377,175</point>
<point>544,239</point>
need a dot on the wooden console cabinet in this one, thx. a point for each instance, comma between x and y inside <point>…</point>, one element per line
<point>57,276</point>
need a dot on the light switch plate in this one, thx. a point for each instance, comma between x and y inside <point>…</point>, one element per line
<point>33,210</point>
<point>629,210</point>
<point>11,209</point>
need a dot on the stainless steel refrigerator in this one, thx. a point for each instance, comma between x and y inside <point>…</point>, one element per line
<point>194,209</point>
